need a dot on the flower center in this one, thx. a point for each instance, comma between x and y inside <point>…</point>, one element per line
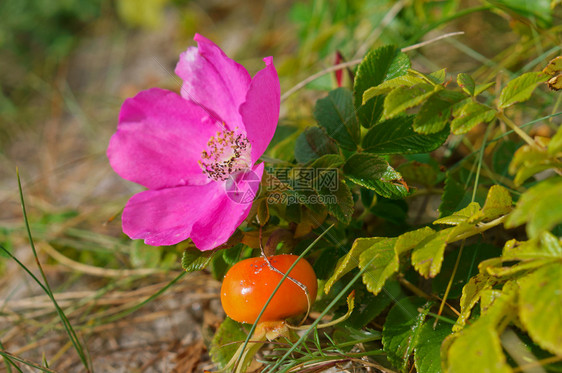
<point>227,152</point>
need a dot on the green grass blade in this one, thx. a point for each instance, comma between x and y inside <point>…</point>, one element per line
<point>45,286</point>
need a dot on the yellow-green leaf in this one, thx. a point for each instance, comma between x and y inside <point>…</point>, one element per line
<point>498,203</point>
<point>520,89</point>
<point>350,260</point>
<point>427,257</point>
<point>380,262</point>
<point>540,306</point>
<point>460,216</point>
<point>469,115</point>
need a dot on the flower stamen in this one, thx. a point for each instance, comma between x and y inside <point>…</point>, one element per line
<point>227,152</point>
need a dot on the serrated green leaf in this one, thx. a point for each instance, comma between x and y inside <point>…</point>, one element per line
<point>350,260</point>
<point>498,203</point>
<point>380,64</point>
<point>313,143</point>
<point>454,196</point>
<point>520,89</point>
<point>540,207</point>
<point>466,82</point>
<point>337,115</point>
<point>364,169</point>
<point>428,254</point>
<point>410,240</point>
<point>232,255</point>
<point>427,354</point>
<point>433,116</point>
<point>328,161</point>
<point>469,115</point>
<point>555,144</point>
<point>483,346</point>
<point>471,295</point>
<point>370,307</point>
<point>437,77</point>
<point>388,183</point>
<point>460,216</point>
<point>482,87</point>
<point>396,136</point>
<point>407,80</point>
<point>401,331</point>
<point>338,201</point>
<point>222,349</point>
<point>480,340</point>
<point>403,98</point>
<point>195,260</point>
<point>549,246</point>
<point>381,262</point>
<point>540,306</point>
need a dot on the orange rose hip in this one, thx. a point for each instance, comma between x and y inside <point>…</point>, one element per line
<point>249,283</point>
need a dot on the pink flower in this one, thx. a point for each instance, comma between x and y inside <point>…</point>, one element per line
<point>196,153</point>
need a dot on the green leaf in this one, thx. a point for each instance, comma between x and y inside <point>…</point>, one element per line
<point>455,195</point>
<point>312,144</point>
<point>428,254</point>
<point>540,306</point>
<point>498,203</point>
<point>403,98</point>
<point>231,255</point>
<point>469,115</point>
<point>471,295</point>
<point>370,307</point>
<point>540,207</point>
<point>222,349</point>
<point>396,136</point>
<point>350,261</point>
<point>437,77</point>
<point>380,64</point>
<point>433,116</point>
<point>364,169</point>
<point>520,89</point>
<point>482,87</point>
<point>555,144</point>
<point>549,246</point>
<point>407,80</point>
<point>460,216</point>
<point>337,115</point>
<point>402,329</point>
<point>427,355</point>
<point>410,240</point>
<point>383,263</point>
<point>483,346</point>
<point>338,201</point>
<point>195,260</point>
<point>328,161</point>
<point>466,82</point>
<point>480,340</point>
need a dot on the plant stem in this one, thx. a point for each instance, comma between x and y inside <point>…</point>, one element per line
<point>501,116</point>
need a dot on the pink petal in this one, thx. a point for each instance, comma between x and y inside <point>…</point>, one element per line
<point>260,112</point>
<point>224,217</point>
<point>159,140</point>
<point>166,216</point>
<point>213,80</point>
<point>209,214</point>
